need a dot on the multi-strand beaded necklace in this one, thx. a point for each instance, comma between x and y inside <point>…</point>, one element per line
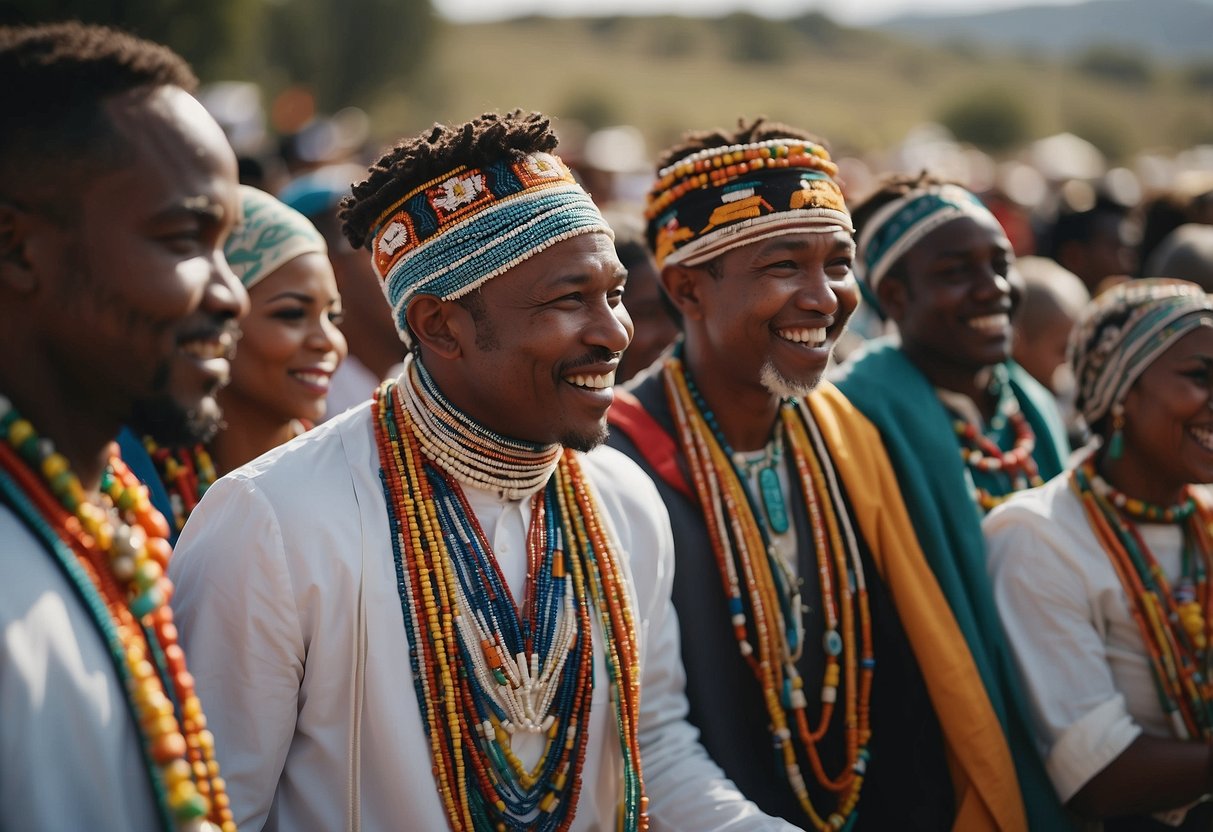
<point>487,669</point>
<point>1174,620</point>
<point>997,474</point>
<point>113,551</point>
<point>764,600</point>
<point>186,474</point>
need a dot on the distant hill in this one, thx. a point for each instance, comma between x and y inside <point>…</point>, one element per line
<point>1167,30</point>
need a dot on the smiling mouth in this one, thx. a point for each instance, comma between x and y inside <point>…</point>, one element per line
<point>208,348</point>
<point>809,336</point>
<point>1203,437</point>
<point>995,324</point>
<point>603,381</point>
<point>314,377</point>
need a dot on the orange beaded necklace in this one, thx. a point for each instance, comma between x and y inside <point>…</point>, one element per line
<point>114,549</point>
<point>764,602</point>
<point>1175,620</point>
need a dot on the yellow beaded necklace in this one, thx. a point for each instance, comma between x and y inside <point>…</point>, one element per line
<point>114,550</point>
<point>765,605</point>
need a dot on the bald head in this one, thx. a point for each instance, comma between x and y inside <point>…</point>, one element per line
<point>1187,254</point>
<point>1053,299</point>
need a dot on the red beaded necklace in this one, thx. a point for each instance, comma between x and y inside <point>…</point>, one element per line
<point>1015,469</point>
<point>186,473</point>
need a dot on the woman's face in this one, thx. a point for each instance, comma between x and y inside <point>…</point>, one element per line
<point>1168,421</point>
<point>291,344</point>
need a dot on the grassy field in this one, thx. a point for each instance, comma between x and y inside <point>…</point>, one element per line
<point>862,90</point>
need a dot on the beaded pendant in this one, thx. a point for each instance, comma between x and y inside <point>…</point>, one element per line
<point>769,488</point>
<point>764,599</point>
<point>772,500</point>
<point>486,670</point>
<point>1176,622</point>
<point>114,549</point>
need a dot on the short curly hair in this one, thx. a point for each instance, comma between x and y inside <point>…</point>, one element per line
<point>57,78</point>
<point>758,130</point>
<point>413,162</point>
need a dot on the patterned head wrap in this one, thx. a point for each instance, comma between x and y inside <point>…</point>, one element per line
<point>270,235</point>
<point>1125,330</point>
<point>450,235</point>
<point>718,199</point>
<point>901,224</point>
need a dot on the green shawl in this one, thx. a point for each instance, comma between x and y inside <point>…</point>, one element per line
<point>918,434</point>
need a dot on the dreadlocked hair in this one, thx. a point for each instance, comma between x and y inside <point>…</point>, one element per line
<point>413,162</point>
<point>758,130</point>
<point>57,78</point>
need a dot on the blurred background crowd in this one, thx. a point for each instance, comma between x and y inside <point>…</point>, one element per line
<point>1087,127</point>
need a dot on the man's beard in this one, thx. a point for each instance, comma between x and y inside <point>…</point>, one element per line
<point>785,388</point>
<point>586,442</point>
<point>169,423</point>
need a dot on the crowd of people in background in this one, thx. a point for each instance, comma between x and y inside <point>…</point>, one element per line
<point>489,482</point>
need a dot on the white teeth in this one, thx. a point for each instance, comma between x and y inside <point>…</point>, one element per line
<point>1203,437</point>
<point>813,336</point>
<point>997,322</point>
<point>601,382</point>
<point>320,379</point>
<point>206,350</point>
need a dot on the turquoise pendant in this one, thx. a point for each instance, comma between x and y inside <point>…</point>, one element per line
<point>772,500</point>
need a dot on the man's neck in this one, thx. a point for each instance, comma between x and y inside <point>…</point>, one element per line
<point>745,413</point>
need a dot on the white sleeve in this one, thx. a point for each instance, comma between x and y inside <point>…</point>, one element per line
<point>235,610</point>
<point>1080,720</point>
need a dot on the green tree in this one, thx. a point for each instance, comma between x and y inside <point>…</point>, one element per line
<point>993,118</point>
<point>752,39</point>
<point>349,50</point>
<point>215,36</point>
<point>344,50</point>
<point>1113,63</point>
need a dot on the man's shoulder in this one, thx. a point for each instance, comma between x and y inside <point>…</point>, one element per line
<point>313,458</point>
<point>613,472</point>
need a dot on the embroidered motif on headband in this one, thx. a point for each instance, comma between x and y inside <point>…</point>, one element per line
<point>723,197</point>
<point>450,235</point>
<point>899,226</point>
<point>443,202</point>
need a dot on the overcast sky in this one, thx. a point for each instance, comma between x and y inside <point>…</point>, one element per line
<point>847,11</point>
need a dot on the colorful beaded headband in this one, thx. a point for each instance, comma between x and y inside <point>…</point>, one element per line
<point>450,235</point>
<point>899,226</point>
<point>724,197</point>
<point>1125,330</point>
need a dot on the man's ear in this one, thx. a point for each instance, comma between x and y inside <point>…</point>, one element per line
<point>442,327</point>
<point>684,285</point>
<point>893,297</point>
<point>17,272</point>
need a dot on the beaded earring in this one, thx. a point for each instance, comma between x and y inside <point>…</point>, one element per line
<point>1116,442</point>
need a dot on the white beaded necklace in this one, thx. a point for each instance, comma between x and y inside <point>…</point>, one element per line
<point>467,450</point>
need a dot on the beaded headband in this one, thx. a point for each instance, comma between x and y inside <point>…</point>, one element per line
<point>1125,330</point>
<point>450,235</point>
<point>899,226</point>
<point>724,197</point>
<point>270,235</point>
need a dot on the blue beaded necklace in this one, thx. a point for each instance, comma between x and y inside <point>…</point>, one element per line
<point>486,668</point>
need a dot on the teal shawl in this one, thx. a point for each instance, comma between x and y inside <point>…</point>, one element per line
<point>917,431</point>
